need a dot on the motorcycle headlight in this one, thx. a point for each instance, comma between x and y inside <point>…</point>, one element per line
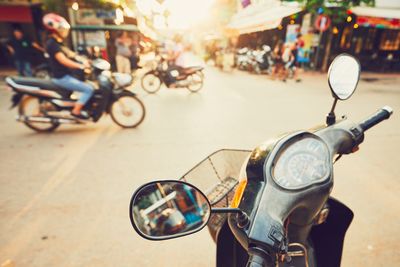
<point>301,163</point>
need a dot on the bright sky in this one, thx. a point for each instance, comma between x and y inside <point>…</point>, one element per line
<point>183,13</point>
<point>186,13</point>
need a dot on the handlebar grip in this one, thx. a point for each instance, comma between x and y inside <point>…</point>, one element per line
<point>259,260</point>
<point>382,114</point>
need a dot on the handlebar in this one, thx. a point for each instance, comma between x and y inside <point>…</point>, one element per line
<point>382,114</point>
<point>258,258</point>
<point>344,136</point>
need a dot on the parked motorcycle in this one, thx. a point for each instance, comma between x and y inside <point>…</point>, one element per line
<point>244,59</point>
<point>257,61</point>
<point>43,106</point>
<point>276,209</point>
<point>264,60</point>
<point>191,78</point>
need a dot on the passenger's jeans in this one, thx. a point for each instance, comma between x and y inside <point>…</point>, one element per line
<point>72,84</point>
<point>23,67</point>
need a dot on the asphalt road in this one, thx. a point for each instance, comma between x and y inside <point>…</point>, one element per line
<point>64,196</point>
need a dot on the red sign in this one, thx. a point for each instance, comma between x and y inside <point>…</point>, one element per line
<point>378,22</point>
<point>322,23</point>
<point>15,14</point>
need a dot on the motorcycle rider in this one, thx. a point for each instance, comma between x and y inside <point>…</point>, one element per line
<point>62,65</point>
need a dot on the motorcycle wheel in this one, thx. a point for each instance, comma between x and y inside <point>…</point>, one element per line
<point>33,107</point>
<point>151,83</point>
<point>196,81</point>
<point>127,111</point>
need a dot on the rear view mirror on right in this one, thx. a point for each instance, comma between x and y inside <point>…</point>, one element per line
<point>343,76</point>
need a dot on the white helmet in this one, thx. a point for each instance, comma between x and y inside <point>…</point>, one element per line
<point>266,48</point>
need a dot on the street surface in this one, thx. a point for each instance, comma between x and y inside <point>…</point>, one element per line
<point>64,196</point>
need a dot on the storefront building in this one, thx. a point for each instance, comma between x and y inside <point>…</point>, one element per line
<point>22,14</point>
<point>259,22</point>
<point>374,38</point>
<point>372,34</point>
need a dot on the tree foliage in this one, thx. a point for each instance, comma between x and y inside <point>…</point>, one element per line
<point>336,9</point>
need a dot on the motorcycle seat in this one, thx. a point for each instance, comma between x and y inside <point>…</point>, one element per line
<point>37,84</point>
<point>190,70</point>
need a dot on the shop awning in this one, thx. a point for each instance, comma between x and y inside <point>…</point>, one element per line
<point>390,13</point>
<point>377,17</point>
<point>145,29</point>
<point>260,18</point>
<point>130,27</point>
<point>21,14</point>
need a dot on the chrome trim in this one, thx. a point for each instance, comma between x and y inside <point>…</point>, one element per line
<point>19,86</point>
<point>49,93</point>
<point>33,119</point>
<point>22,118</point>
<point>322,216</point>
<point>388,109</point>
<point>303,253</point>
<point>63,103</point>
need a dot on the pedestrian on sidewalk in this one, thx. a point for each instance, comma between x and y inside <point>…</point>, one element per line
<point>135,57</point>
<point>21,48</point>
<point>124,53</point>
<point>278,67</point>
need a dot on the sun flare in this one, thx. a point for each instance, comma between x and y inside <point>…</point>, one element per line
<point>186,13</point>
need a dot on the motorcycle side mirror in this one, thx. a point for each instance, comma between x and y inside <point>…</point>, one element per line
<point>343,76</point>
<point>168,209</point>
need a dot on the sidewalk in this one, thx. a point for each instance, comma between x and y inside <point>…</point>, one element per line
<point>366,76</point>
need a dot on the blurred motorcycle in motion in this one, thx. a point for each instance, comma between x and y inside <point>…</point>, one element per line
<point>43,106</point>
<point>191,78</point>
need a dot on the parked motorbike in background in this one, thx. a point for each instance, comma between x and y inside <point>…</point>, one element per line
<point>43,106</point>
<point>264,60</point>
<point>257,61</point>
<point>191,78</point>
<point>243,59</point>
<point>270,206</point>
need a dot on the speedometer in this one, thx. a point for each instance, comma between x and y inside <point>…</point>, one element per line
<point>301,163</point>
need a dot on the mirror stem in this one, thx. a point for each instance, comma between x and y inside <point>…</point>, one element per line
<point>331,117</point>
<point>242,218</point>
<point>226,210</point>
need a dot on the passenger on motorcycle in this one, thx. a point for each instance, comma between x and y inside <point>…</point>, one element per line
<point>175,61</point>
<point>62,65</point>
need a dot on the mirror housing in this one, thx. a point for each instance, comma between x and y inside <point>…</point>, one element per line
<point>167,209</point>
<point>343,76</point>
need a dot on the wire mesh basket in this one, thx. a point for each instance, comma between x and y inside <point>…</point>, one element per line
<point>217,176</point>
